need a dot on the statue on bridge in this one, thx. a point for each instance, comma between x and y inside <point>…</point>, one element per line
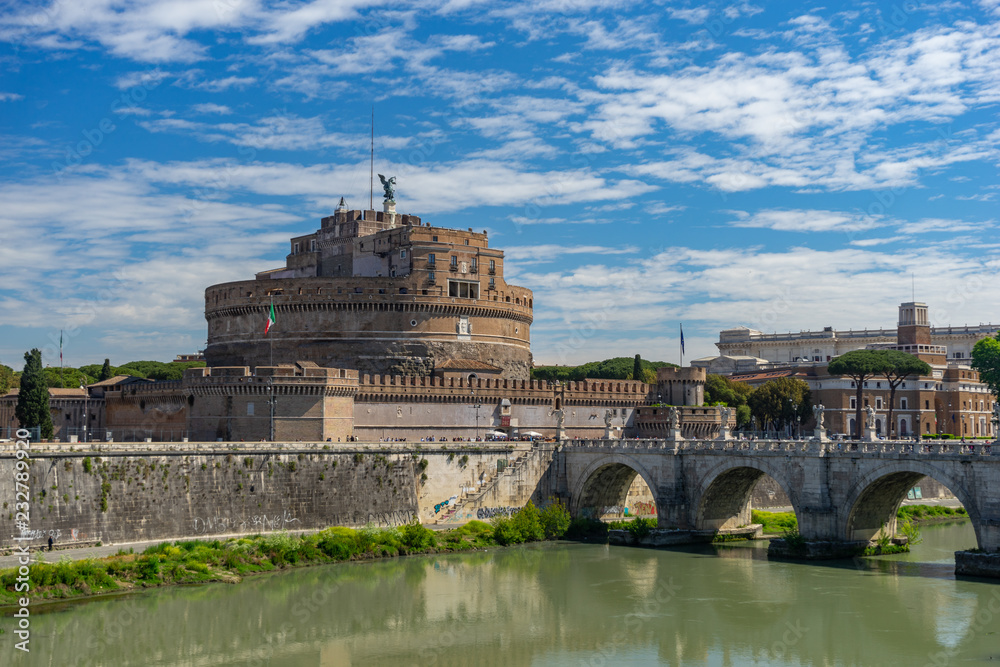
<point>818,411</point>
<point>607,418</point>
<point>673,418</point>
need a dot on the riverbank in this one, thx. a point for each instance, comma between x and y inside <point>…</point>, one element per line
<point>230,560</point>
<point>777,524</point>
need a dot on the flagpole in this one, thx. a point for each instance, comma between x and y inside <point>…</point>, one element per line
<point>270,339</point>
<point>682,345</point>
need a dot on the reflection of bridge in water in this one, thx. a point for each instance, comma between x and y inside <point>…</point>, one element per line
<point>841,493</point>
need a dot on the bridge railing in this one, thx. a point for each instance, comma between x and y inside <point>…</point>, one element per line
<point>808,447</point>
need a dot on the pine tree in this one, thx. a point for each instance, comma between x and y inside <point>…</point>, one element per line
<point>33,399</point>
<point>105,371</point>
<point>637,369</point>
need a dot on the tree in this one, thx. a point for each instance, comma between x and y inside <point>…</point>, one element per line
<point>986,360</point>
<point>899,366</point>
<point>6,379</point>
<point>33,399</point>
<point>743,415</point>
<point>720,389</point>
<point>781,401</point>
<point>637,369</point>
<point>105,371</point>
<point>859,365</point>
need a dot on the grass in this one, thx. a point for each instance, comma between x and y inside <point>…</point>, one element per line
<point>919,513</point>
<point>775,523</point>
<point>194,561</point>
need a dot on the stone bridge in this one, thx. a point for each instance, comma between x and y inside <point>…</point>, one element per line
<point>840,492</point>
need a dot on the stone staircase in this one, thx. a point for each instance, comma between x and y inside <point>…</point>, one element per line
<point>488,484</point>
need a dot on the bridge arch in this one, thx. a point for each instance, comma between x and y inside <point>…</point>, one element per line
<point>875,498</point>
<point>606,481</point>
<point>723,492</point>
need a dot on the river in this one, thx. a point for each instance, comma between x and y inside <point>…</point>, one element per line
<point>551,604</point>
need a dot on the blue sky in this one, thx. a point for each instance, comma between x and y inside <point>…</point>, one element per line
<point>784,167</point>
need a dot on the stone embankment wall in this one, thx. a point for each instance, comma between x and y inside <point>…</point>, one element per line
<point>117,493</point>
<point>534,474</point>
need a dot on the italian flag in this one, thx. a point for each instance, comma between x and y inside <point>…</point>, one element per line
<point>270,320</point>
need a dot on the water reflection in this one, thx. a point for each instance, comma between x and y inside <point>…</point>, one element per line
<point>554,605</point>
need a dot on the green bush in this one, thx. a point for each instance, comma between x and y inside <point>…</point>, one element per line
<point>555,520</point>
<point>416,537</point>
<point>528,523</point>
<point>475,528</point>
<point>504,531</point>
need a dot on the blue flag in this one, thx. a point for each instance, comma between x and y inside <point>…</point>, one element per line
<point>682,339</point>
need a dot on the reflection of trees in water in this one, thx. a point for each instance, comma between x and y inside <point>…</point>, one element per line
<point>516,606</point>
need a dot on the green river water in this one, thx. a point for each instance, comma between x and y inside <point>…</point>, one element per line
<point>552,604</point>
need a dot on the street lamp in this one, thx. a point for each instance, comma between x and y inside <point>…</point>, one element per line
<point>478,404</point>
<point>86,411</point>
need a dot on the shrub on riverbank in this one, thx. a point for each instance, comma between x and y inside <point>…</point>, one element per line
<point>530,525</point>
<point>194,561</point>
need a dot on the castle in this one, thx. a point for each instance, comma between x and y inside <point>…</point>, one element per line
<point>380,293</point>
<point>385,328</point>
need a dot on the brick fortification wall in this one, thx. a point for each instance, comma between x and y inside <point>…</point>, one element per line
<point>160,494</point>
<point>410,407</point>
<point>367,324</point>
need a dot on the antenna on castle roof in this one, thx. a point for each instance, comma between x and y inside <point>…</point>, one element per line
<point>371,168</point>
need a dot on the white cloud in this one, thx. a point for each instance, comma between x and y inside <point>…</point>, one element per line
<point>211,108</point>
<point>424,188</point>
<point>10,97</point>
<point>694,16</point>
<point>548,252</point>
<point>804,220</point>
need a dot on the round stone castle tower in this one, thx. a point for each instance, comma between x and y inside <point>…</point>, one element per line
<point>379,292</point>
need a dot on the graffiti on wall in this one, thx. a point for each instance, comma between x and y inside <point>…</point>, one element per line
<point>641,508</point>
<point>231,524</point>
<point>485,513</point>
<point>445,503</point>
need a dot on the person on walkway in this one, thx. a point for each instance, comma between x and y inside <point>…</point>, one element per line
<point>50,543</point>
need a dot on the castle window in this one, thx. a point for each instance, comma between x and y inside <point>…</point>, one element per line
<point>295,248</point>
<point>854,402</point>
<point>430,259</point>
<point>402,254</point>
<point>493,285</point>
<point>902,403</point>
<point>466,241</point>
<point>249,409</point>
<point>927,405</point>
<point>878,403</point>
<point>312,245</point>
<point>463,290</point>
<point>434,238</point>
<point>493,266</point>
<point>430,276</point>
<point>454,260</point>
